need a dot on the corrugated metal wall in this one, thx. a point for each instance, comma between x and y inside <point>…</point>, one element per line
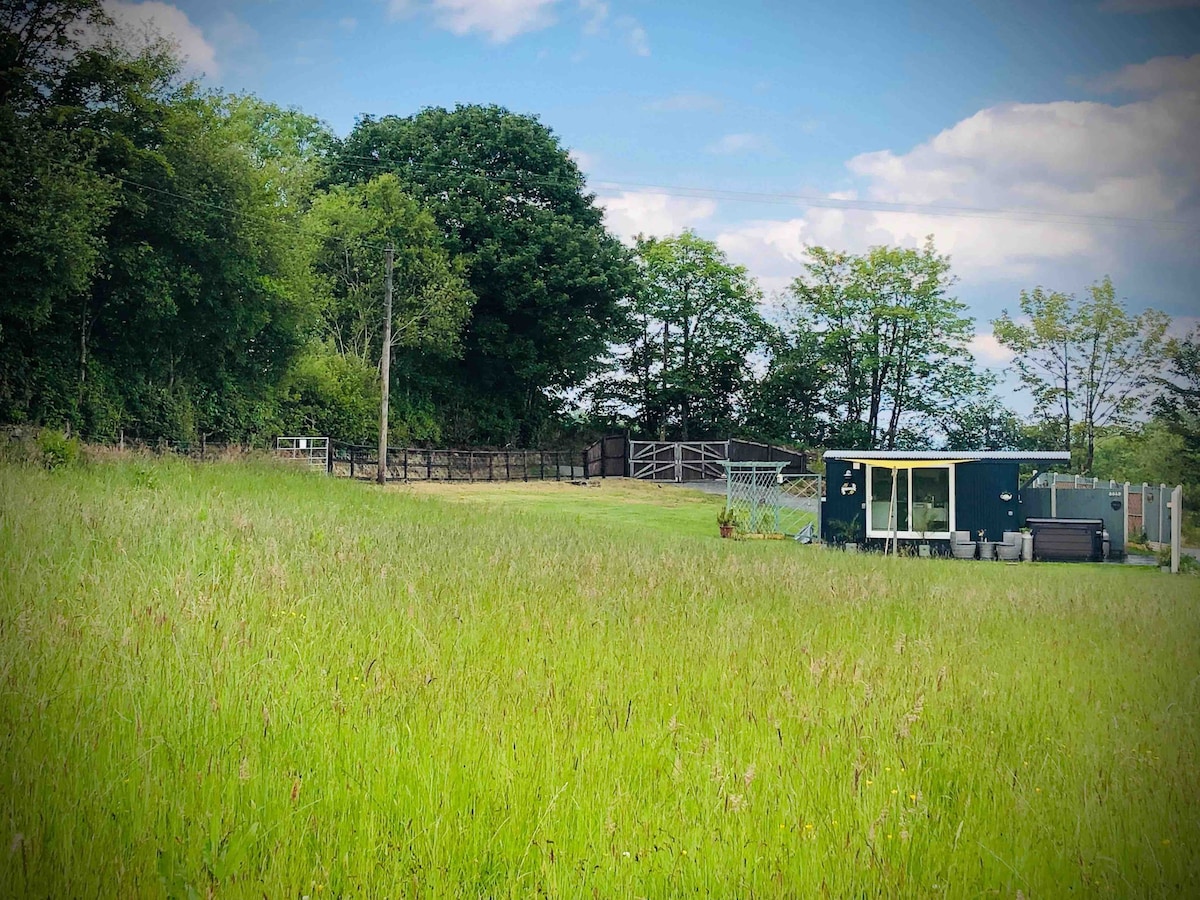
<point>843,505</point>
<point>979,505</point>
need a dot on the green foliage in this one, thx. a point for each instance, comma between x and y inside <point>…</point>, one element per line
<point>893,339</point>
<point>1178,406</point>
<point>685,367</point>
<point>547,278</point>
<point>1088,362</point>
<point>56,450</point>
<point>788,403</point>
<point>430,300</point>
<point>332,394</point>
<point>984,424</point>
<point>728,518</point>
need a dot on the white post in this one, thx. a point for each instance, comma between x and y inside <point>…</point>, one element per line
<point>1162,511</point>
<point>892,514</point>
<point>1125,512</point>
<point>1176,527</point>
<point>1054,498</point>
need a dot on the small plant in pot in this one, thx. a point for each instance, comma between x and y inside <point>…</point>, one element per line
<point>846,534</point>
<point>923,550</point>
<point>727,521</point>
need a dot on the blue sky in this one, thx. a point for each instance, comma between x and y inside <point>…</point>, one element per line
<point>1079,121</point>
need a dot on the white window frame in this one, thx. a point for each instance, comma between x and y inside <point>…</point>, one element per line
<point>885,531</point>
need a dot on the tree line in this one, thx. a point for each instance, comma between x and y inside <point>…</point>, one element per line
<point>182,262</point>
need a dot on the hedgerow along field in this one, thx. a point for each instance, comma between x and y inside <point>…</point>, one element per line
<point>235,680</point>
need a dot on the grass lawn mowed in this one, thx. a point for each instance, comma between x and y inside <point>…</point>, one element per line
<point>234,680</point>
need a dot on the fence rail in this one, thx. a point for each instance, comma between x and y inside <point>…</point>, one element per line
<point>422,464</point>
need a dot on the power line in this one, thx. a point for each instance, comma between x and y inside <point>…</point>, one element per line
<point>275,222</point>
<point>791,199</point>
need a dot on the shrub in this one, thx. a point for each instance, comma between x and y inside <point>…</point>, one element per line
<point>56,450</point>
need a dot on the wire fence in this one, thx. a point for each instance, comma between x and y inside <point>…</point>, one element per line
<point>763,500</point>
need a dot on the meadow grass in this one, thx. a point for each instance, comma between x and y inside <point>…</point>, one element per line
<point>239,681</point>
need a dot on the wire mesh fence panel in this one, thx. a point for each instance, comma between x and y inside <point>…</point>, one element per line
<point>800,503</point>
<point>765,501</point>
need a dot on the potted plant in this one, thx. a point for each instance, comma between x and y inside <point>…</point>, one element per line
<point>846,534</point>
<point>923,548</point>
<point>987,549</point>
<point>727,521</point>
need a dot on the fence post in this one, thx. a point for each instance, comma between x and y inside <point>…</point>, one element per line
<point>351,460</point>
<point>1053,498</point>
<point>507,467</point>
<point>491,466</point>
<point>1125,506</point>
<point>1162,512</point>
<point>1176,527</point>
<point>428,464</point>
<point>328,456</point>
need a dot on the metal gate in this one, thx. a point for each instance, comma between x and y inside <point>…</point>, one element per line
<point>766,501</point>
<point>678,460</point>
<point>311,450</point>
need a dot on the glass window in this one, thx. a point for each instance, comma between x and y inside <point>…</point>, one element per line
<point>931,499</point>
<point>922,501</point>
<point>881,499</point>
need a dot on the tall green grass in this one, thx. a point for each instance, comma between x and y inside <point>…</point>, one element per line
<point>239,681</point>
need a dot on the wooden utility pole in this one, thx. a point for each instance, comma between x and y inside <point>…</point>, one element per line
<point>386,365</point>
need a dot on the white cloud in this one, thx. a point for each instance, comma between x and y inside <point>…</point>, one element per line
<point>639,41</point>
<point>631,213</point>
<point>1045,188</point>
<point>1163,73</point>
<point>231,33</point>
<point>499,20</point>
<point>596,12</point>
<point>740,143</point>
<point>987,350</point>
<point>583,159</point>
<point>138,23</point>
<point>687,102</point>
<point>1146,6</point>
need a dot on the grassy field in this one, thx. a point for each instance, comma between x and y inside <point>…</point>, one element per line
<point>237,681</point>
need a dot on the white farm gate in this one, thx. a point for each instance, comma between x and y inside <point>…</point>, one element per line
<point>310,451</point>
<point>678,460</point>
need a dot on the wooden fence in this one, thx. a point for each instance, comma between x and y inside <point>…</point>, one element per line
<point>422,464</point>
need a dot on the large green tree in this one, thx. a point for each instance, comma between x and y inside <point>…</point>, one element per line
<point>1088,363</point>
<point>348,227</point>
<point>685,368</point>
<point>548,279</point>
<point>174,320</point>
<point>893,337</point>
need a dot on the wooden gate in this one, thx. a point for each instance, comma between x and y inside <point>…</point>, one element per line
<point>1135,526</point>
<point>677,460</point>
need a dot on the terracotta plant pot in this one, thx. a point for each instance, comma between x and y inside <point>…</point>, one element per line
<point>726,530</point>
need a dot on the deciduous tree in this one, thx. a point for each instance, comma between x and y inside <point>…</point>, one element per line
<point>1088,362</point>
<point>548,279</point>
<point>891,334</point>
